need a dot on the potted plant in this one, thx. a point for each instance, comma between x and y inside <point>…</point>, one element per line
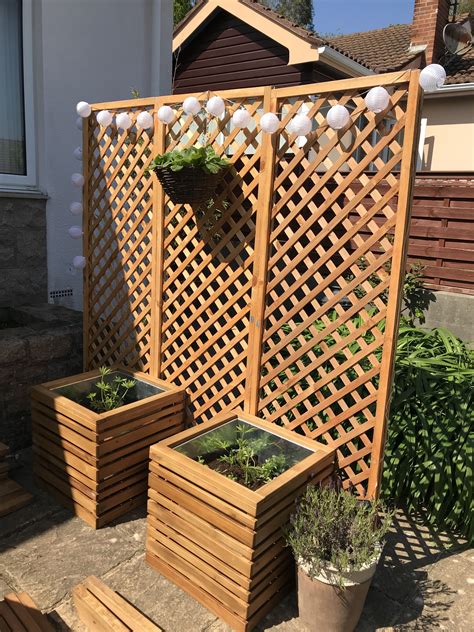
<point>91,437</point>
<point>190,175</point>
<point>219,496</point>
<point>336,541</point>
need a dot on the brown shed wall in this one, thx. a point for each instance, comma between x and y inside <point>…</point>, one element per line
<point>228,53</point>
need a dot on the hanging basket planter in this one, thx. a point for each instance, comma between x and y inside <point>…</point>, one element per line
<point>191,175</point>
<point>191,185</point>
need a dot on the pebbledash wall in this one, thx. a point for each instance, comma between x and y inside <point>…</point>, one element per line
<point>92,50</point>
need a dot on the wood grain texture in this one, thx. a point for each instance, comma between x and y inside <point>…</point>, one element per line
<point>229,555</point>
<point>103,610</point>
<point>97,464</point>
<point>274,298</point>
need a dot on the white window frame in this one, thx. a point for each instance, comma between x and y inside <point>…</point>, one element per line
<point>10,181</point>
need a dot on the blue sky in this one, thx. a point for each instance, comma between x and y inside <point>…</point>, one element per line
<point>349,16</point>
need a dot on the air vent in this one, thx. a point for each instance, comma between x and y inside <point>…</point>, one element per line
<point>61,297</point>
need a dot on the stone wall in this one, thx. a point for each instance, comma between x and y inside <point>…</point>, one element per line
<point>45,344</point>
<point>23,265</point>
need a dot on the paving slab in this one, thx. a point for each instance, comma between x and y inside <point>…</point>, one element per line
<point>425,580</point>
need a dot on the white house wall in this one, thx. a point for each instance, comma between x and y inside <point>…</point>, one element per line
<point>91,50</point>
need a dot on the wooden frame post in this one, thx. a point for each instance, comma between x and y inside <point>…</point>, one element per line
<point>158,224</point>
<point>85,242</point>
<point>262,248</point>
<point>400,247</point>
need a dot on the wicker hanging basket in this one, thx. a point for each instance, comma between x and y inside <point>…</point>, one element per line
<point>190,185</point>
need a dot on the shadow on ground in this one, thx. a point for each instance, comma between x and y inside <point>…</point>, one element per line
<point>424,581</point>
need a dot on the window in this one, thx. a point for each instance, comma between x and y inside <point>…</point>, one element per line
<point>16,94</point>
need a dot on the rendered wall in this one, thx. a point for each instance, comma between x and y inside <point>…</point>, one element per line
<point>449,140</point>
<point>92,50</point>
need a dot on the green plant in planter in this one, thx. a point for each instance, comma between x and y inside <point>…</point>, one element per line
<point>203,158</point>
<point>110,394</point>
<point>331,527</point>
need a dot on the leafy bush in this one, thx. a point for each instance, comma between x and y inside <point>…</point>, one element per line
<point>430,447</point>
<point>204,158</point>
<point>332,526</point>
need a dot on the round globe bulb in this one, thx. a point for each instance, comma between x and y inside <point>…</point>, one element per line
<point>166,114</point>
<point>77,179</point>
<point>104,118</point>
<point>301,125</point>
<point>215,106</point>
<point>76,208</point>
<point>377,99</point>
<point>241,118</point>
<point>75,232</point>
<point>79,123</point>
<point>432,77</point>
<point>123,121</point>
<point>191,105</point>
<point>338,117</point>
<point>270,123</point>
<point>79,262</point>
<point>83,109</point>
<point>144,120</point>
<point>77,153</point>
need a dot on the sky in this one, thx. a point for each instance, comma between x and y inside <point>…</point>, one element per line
<point>350,16</point>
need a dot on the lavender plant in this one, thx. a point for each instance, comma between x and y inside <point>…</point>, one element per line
<point>333,527</point>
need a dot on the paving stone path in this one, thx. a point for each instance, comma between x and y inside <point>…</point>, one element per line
<point>426,581</point>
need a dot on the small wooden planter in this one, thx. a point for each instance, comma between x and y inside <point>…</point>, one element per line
<point>97,464</point>
<point>219,540</point>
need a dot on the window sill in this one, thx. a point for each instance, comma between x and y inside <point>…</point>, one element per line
<point>23,192</point>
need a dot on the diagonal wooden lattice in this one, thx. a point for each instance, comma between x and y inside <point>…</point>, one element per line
<point>118,238</point>
<point>282,295</point>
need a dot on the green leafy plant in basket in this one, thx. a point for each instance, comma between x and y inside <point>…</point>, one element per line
<point>190,175</point>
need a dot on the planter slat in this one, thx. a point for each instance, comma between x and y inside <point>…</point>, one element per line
<point>97,464</point>
<point>230,556</point>
<point>201,494</point>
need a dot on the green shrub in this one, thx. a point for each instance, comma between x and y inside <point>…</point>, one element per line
<point>204,158</point>
<point>430,447</point>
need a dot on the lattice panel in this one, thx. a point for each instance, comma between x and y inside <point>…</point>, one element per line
<point>207,272</point>
<point>282,296</point>
<point>329,275</point>
<point>119,241</point>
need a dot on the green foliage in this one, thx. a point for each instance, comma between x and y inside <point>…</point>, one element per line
<point>204,158</point>
<point>430,449</point>
<point>332,526</point>
<point>110,394</point>
<point>180,9</point>
<point>244,459</point>
<point>298,11</point>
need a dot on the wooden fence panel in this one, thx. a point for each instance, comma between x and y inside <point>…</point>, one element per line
<point>282,296</point>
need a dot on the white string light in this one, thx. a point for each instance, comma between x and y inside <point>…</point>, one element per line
<point>104,118</point>
<point>75,232</point>
<point>79,262</point>
<point>269,122</point>
<point>77,153</point>
<point>215,106</point>
<point>144,120</point>
<point>83,109</point>
<point>241,118</point>
<point>75,208</point>
<point>338,116</point>
<point>300,125</point>
<point>432,77</point>
<point>79,123</point>
<point>166,114</point>
<point>191,106</point>
<point>123,121</point>
<point>77,180</point>
<point>377,99</point>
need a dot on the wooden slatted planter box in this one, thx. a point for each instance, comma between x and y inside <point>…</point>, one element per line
<point>97,463</point>
<point>216,538</point>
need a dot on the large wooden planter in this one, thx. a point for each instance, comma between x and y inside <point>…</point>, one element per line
<point>97,464</point>
<point>219,540</point>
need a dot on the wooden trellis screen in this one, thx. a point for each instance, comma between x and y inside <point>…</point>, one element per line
<point>282,297</point>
